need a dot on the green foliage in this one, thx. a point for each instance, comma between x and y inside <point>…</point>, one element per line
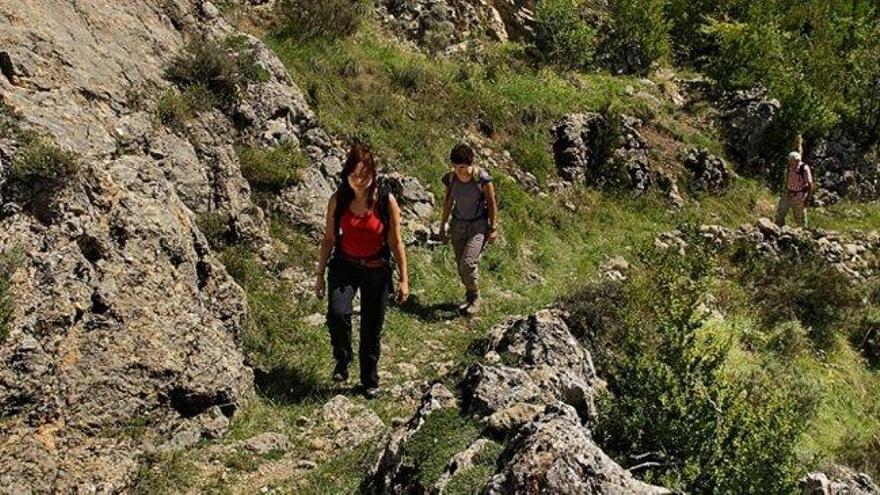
<point>313,20</point>
<point>866,337</point>
<point>562,35</point>
<point>637,37</point>
<point>672,392</point>
<point>801,288</point>
<point>223,67</point>
<point>794,51</point>
<point>166,473</point>
<point>474,478</point>
<point>444,434</point>
<point>270,169</point>
<point>40,162</point>
<point>215,226</point>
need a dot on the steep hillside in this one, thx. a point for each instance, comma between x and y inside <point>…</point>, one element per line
<point>164,169</point>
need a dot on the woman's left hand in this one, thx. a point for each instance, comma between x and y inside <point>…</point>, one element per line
<point>402,292</point>
<point>492,236</point>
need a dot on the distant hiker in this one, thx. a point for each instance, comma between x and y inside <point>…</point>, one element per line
<point>362,232</point>
<point>797,190</point>
<point>470,198</point>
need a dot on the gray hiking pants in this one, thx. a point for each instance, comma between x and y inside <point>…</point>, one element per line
<point>796,204</point>
<point>468,241</point>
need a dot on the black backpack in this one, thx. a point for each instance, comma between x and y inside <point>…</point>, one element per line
<point>384,216</point>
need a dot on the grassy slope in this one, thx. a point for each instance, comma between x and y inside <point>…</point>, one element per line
<point>411,110</point>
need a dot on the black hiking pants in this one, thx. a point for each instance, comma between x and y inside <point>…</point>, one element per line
<point>344,279</point>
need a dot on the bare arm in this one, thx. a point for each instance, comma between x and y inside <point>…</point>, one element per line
<point>395,241</point>
<point>489,191</point>
<point>327,243</point>
<point>447,208</point>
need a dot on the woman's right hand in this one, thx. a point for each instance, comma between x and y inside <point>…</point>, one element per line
<point>319,287</point>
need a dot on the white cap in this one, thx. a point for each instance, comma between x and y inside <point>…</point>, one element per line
<point>794,155</point>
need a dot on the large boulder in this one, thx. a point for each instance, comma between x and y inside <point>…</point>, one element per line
<point>123,319</point>
<point>439,24</point>
<point>843,169</point>
<point>556,454</point>
<point>604,153</point>
<point>710,173</point>
<point>543,363</point>
<point>838,480</point>
<point>541,398</point>
<point>122,316</point>
<point>748,116</point>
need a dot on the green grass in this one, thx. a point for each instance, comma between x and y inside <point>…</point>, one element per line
<point>411,109</point>
<point>444,434</point>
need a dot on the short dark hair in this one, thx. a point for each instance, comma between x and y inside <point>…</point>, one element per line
<point>462,154</point>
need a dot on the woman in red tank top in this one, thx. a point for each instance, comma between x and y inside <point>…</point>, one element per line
<point>361,243</point>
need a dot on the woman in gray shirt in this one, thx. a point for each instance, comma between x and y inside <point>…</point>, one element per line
<point>470,198</point>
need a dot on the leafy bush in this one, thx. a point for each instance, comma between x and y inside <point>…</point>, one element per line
<point>562,36</point>
<point>638,35</point>
<point>866,337</point>
<point>270,169</point>
<point>801,288</point>
<point>222,67</point>
<point>39,162</point>
<point>671,392</point>
<point>310,20</point>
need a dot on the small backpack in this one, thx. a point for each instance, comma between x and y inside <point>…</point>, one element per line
<point>481,177</point>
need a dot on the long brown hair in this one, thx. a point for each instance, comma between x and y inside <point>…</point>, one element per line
<point>358,154</point>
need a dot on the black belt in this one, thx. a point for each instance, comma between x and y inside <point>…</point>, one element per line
<point>469,219</point>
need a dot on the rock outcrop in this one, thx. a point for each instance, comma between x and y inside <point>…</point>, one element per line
<point>838,480</point>
<point>710,173</point>
<point>855,255</point>
<point>122,316</point>
<point>747,116</point>
<point>603,153</point>
<point>843,169</point>
<point>438,25</point>
<point>541,397</point>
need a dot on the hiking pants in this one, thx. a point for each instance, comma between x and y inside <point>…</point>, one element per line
<point>468,241</point>
<point>797,205</point>
<point>344,279</point>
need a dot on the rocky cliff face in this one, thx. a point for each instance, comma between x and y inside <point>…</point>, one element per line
<point>123,320</point>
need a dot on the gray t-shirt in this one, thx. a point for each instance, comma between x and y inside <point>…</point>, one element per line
<point>469,202</point>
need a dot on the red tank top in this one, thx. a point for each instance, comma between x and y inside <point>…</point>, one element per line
<point>363,236</point>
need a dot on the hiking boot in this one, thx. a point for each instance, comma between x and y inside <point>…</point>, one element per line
<point>340,373</point>
<point>471,304</point>
<point>372,392</point>
<point>472,308</point>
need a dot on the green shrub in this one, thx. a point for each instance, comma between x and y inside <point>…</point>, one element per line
<point>215,226</point>
<point>270,169</point>
<point>802,288</point>
<point>861,452</point>
<point>866,337</point>
<point>637,37</point>
<point>670,390</point>
<point>39,162</point>
<point>562,36</point>
<point>310,20</point>
<point>223,67</point>
<point>173,110</point>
